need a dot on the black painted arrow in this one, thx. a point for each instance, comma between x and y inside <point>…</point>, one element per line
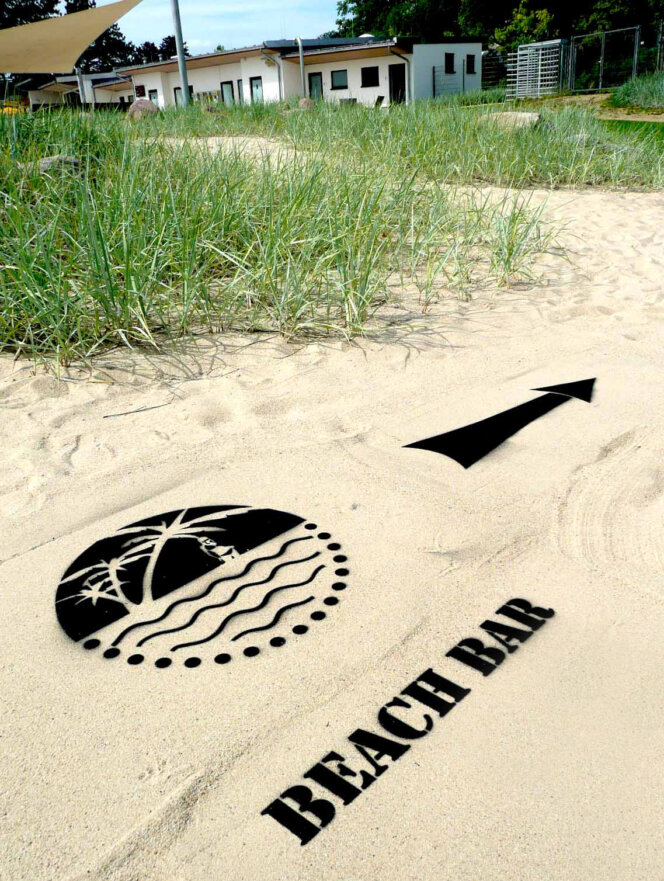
<point>471,443</point>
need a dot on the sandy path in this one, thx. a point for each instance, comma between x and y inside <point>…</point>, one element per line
<point>548,769</point>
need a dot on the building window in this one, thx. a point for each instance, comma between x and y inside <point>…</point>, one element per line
<point>339,79</point>
<point>369,77</point>
<point>227,94</point>
<point>256,88</point>
<point>177,94</point>
<point>240,92</point>
<point>140,91</point>
<point>470,64</point>
<point>153,95</point>
<point>449,62</point>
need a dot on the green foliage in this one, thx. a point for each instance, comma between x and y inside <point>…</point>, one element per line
<point>506,22</point>
<point>527,25</point>
<point>167,48</point>
<point>643,92</point>
<point>18,12</point>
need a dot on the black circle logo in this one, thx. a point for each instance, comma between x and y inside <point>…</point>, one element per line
<point>201,585</point>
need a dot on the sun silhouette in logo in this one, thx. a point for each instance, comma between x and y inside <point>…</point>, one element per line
<point>201,584</point>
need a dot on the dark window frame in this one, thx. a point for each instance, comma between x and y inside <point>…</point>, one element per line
<point>240,91</point>
<point>449,62</point>
<point>179,89</point>
<point>364,70</point>
<point>338,88</point>
<point>252,80</point>
<point>156,95</point>
<point>470,63</point>
<point>318,73</point>
<point>221,91</point>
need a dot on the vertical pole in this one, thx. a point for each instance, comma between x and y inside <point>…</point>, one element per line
<point>635,62</point>
<point>81,87</point>
<point>302,76</point>
<point>182,64</point>
<point>601,60</point>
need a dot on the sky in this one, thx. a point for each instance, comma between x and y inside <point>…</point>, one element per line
<point>230,23</point>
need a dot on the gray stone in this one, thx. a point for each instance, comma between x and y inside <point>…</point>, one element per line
<point>59,163</point>
<point>513,119</point>
<point>140,108</point>
<point>306,104</point>
<point>49,164</point>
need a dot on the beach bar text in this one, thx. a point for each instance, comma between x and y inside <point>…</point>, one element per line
<point>299,809</point>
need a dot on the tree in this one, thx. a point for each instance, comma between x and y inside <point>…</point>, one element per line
<point>146,53</point>
<point>17,12</point>
<point>527,25</point>
<point>168,49</point>
<point>108,51</point>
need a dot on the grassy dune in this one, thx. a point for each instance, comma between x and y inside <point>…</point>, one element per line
<point>644,92</point>
<point>150,240</point>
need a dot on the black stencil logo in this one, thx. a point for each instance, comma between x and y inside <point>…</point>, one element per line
<point>201,585</point>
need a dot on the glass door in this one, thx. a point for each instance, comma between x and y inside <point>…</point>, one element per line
<point>256,86</point>
<point>227,95</point>
<point>316,86</point>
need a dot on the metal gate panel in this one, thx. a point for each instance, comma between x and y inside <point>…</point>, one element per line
<point>535,70</point>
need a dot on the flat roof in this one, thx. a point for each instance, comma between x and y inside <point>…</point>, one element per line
<point>364,47</point>
<point>194,61</point>
<point>344,53</point>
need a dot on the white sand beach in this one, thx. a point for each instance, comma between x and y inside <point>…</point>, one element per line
<point>547,770</point>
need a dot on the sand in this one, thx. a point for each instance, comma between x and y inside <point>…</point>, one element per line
<point>548,769</point>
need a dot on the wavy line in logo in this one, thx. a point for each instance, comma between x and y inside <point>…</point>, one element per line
<point>275,620</point>
<point>266,599</point>
<point>208,590</point>
<point>227,602</point>
<point>125,595</point>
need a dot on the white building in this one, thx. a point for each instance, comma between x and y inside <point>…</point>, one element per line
<point>98,88</point>
<point>366,70</point>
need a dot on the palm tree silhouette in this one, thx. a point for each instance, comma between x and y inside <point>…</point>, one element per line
<point>104,581</point>
<point>151,540</point>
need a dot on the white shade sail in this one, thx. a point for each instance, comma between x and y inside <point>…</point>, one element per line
<point>54,45</point>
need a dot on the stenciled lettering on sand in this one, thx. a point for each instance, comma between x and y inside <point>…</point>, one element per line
<point>302,811</point>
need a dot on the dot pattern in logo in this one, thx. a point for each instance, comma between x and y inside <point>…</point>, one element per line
<point>201,586</point>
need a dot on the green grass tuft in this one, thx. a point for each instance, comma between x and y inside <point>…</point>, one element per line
<point>156,238</point>
<point>645,92</point>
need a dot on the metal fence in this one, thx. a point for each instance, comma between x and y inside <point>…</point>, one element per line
<point>607,59</point>
<point>494,69</point>
<point>603,60</point>
<point>536,69</point>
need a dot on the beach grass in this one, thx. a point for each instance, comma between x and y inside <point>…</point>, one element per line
<point>644,92</point>
<point>155,237</point>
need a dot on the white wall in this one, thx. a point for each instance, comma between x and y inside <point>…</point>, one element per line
<point>154,80</point>
<point>109,96</point>
<point>426,57</point>
<point>209,79</point>
<point>353,66</point>
<point>423,60</point>
<point>270,73</point>
<point>39,97</point>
